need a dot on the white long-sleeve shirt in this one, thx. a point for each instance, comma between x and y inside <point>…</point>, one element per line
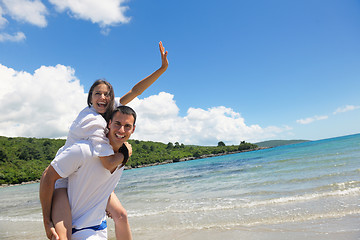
<point>91,126</point>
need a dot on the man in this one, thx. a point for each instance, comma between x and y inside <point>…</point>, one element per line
<point>90,184</point>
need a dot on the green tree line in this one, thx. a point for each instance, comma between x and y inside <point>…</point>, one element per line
<point>24,159</point>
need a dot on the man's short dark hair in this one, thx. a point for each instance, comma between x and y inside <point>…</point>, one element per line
<point>124,110</point>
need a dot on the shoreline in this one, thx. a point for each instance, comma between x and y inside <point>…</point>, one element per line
<point>154,164</point>
<point>19,184</point>
<point>193,158</point>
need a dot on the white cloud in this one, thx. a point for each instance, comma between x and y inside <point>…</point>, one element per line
<point>346,109</point>
<point>32,12</point>
<point>159,120</point>
<point>105,12</point>
<point>3,21</point>
<point>42,104</point>
<point>18,37</point>
<point>311,119</point>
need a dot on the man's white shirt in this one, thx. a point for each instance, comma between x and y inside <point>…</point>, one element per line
<point>90,184</point>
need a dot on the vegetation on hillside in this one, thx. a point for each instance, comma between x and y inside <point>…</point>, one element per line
<point>24,159</point>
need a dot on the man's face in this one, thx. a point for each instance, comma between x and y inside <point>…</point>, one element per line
<point>120,129</point>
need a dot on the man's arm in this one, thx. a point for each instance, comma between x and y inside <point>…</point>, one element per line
<point>46,191</point>
<point>141,86</point>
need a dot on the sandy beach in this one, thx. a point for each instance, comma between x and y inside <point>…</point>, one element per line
<point>345,228</point>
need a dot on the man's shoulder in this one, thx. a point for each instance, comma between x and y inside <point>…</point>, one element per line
<point>84,145</point>
<point>79,148</point>
<point>72,157</point>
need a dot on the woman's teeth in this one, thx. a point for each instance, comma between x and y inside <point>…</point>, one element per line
<point>102,104</point>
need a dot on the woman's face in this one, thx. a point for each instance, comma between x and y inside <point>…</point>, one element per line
<point>100,98</point>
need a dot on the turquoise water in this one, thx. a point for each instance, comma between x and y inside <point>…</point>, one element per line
<point>308,188</point>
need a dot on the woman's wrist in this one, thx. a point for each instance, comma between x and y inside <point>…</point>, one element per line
<point>123,149</point>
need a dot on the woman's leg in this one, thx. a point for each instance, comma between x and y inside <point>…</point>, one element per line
<point>61,214</point>
<point>119,215</point>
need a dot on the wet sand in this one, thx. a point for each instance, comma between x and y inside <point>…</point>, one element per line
<point>345,228</point>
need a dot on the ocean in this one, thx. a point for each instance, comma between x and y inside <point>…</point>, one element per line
<point>309,190</point>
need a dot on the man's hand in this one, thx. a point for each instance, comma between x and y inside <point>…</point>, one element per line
<point>128,146</point>
<point>50,231</point>
<point>46,192</point>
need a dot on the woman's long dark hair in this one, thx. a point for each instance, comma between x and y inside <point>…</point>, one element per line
<point>110,106</point>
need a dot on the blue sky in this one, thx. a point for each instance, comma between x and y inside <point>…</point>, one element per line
<point>238,70</point>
